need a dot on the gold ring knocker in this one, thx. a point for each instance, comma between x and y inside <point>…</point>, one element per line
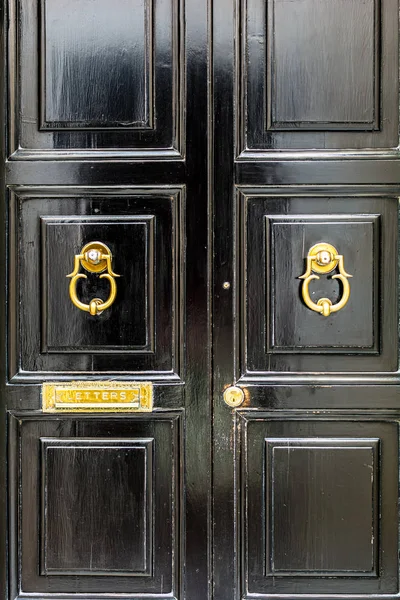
<point>324,258</point>
<point>95,257</point>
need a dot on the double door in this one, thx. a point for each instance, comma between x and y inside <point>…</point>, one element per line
<point>200,388</point>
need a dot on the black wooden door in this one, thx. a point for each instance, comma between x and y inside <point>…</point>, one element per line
<point>107,143</point>
<point>192,419</point>
<point>305,102</point>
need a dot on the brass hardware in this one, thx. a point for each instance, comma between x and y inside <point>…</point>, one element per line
<point>233,396</point>
<point>98,396</point>
<point>324,258</point>
<point>95,257</point>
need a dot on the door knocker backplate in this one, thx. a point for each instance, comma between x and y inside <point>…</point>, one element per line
<point>323,258</point>
<point>95,257</point>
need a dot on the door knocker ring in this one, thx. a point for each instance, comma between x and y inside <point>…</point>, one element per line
<point>95,257</point>
<point>324,258</point>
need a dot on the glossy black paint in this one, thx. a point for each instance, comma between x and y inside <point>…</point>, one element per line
<point>76,101</point>
<point>308,482</point>
<point>140,333</point>
<point>311,76</point>
<point>113,523</point>
<point>279,333</point>
<point>76,56</point>
<point>289,144</point>
<point>187,135</point>
<point>106,80</point>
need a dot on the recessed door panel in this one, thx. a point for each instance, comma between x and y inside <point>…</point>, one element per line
<point>93,529</point>
<point>341,468</point>
<point>281,331</point>
<point>139,331</point>
<point>100,499</point>
<point>294,327</point>
<point>344,96</point>
<point>312,74</point>
<point>96,64</point>
<point>97,81</point>
<point>313,517</point>
<point>128,324</point>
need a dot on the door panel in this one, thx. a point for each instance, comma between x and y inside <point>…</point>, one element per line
<point>104,100</point>
<point>93,78</point>
<point>140,332</point>
<point>99,506</point>
<point>311,75</point>
<point>278,331</point>
<point>305,98</point>
<point>68,550</point>
<point>314,518</point>
<point>84,94</point>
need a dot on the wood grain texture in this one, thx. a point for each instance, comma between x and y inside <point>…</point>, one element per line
<point>323,504</point>
<point>318,503</point>
<point>107,492</point>
<point>79,86</point>
<point>323,67</point>
<point>310,77</point>
<point>97,507</point>
<point>175,146</point>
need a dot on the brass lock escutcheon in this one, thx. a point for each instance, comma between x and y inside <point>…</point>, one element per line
<point>95,257</point>
<point>233,396</point>
<point>323,258</point>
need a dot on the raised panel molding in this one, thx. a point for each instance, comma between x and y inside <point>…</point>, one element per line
<point>98,505</point>
<point>319,498</point>
<point>79,516</point>
<point>322,501</point>
<point>96,84</point>
<point>323,65</point>
<point>310,77</point>
<point>279,335</point>
<point>81,85</point>
<point>140,334</point>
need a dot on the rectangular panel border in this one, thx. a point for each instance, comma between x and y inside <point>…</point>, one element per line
<point>273,125</point>
<point>158,148</point>
<point>271,348</point>
<point>254,138</point>
<point>149,222</point>
<point>15,423</point>
<point>332,443</point>
<point>177,194</point>
<point>143,444</point>
<point>247,377</point>
<point>387,562</point>
<point>148,123</point>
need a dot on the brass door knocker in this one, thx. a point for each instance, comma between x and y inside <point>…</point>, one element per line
<point>323,258</point>
<point>95,257</point>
